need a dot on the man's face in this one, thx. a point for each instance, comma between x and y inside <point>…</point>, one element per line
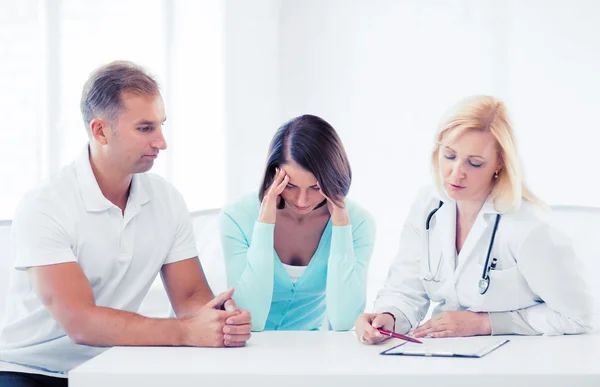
<point>136,137</point>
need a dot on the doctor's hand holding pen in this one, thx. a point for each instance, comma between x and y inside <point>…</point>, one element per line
<point>455,324</point>
<point>268,207</point>
<point>367,325</point>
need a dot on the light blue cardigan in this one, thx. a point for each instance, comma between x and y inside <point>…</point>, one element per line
<point>333,284</point>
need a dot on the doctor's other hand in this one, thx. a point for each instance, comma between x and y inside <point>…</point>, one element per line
<point>455,324</point>
<point>339,215</point>
<point>366,327</point>
<point>268,207</point>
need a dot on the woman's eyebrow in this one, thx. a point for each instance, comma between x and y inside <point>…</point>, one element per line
<point>477,156</point>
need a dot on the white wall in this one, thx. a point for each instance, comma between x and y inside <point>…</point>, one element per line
<point>383,72</point>
<point>554,77</point>
<point>251,90</point>
<point>195,100</point>
<point>47,52</point>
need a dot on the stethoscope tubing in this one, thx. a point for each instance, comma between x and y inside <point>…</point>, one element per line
<point>485,274</point>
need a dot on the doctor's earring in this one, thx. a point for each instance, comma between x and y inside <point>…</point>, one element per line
<point>496,174</point>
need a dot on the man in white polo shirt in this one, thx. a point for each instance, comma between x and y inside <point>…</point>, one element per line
<point>88,244</point>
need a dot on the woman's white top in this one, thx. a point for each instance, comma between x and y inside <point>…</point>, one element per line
<point>537,287</point>
<point>294,271</point>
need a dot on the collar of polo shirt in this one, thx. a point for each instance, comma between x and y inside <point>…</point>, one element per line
<point>92,196</point>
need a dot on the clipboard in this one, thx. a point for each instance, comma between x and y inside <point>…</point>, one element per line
<point>470,347</point>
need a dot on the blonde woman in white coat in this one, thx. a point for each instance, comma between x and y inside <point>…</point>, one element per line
<point>532,283</point>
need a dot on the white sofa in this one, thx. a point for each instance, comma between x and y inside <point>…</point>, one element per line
<point>5,264</point>
<point>582,224</point>
<point>206,230</point>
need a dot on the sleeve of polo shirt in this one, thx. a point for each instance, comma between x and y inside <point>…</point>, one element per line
<point>184,244</point>
<point>38,238</point>
<point>347,269</point>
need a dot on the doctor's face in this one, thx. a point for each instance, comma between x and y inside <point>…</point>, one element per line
<point>468,164</point>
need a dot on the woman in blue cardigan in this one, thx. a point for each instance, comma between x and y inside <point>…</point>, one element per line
<point>298,253</point>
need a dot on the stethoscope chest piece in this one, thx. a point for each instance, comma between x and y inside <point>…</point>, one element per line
<point>484,284</point>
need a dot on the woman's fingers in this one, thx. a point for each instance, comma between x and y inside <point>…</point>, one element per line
<point>423,329</point>
<point>371,335</point>
<point>279,175</point>
<point>366,332</point>
<point>279,189</point>
<point>330,203</point>
<point>429,329</point>
<point>323,193</point>
<point>278,180</point>
<point>362,322</point>
<point>440,334</point>
<point>268,207</point>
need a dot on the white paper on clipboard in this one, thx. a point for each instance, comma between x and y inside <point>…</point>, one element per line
<point>477,346</point>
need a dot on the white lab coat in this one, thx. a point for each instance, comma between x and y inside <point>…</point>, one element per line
<point>537,275</point>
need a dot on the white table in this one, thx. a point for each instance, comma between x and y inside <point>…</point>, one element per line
<point>307,359</point>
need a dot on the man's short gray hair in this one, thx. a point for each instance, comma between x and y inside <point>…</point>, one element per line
<point>101,95</point>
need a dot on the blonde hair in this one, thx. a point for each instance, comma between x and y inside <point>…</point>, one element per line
<point>487,114</point>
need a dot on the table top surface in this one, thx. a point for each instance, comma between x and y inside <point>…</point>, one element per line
<point>340,353</point>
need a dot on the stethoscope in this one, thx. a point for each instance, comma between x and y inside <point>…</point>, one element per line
<point>484,281</point>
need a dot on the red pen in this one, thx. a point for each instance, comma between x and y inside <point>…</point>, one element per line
<point>398,336</point>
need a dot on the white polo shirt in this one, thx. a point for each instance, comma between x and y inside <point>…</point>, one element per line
<point>69,220</point>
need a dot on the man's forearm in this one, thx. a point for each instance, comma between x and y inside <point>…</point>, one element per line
<point>191,305</point>
<point>105,327</point>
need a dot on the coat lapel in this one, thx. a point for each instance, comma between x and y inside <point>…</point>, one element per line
<point>443,247</point>
<point>442,237</point>
<point>474,245</point>
<point>447,227</point>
